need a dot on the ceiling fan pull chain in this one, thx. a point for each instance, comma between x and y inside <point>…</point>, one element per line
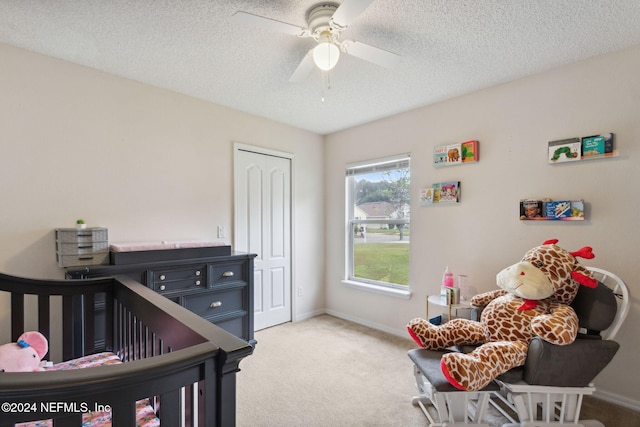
<point>328,75</point>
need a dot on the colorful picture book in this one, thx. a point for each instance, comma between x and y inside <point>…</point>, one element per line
<point>584,148</point>
<point>440,193</point>
<point>455,154</point>
<point>470,151</point>
<point>565,150</point>
<point>547,209</point>
<point>597,145</point>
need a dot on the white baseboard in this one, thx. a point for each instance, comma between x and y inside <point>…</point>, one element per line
<point>309,315</point>
<point>617,399</point>
<point>383,328</point>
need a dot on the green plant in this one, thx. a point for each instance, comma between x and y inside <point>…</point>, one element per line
<point>80,221</point>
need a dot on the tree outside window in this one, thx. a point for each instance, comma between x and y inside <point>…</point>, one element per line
<point>378,216</point>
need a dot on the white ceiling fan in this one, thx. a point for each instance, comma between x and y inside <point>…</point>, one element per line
<point>325,22</point>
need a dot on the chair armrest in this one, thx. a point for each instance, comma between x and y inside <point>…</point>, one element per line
<point>573,365</point>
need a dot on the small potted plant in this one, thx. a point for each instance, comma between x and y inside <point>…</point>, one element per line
<point>80,224</point>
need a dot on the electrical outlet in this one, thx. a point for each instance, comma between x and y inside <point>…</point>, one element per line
<point>300,292</point>
<point>222,233</point>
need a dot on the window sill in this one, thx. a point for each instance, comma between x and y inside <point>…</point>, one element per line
<point>398,293</point>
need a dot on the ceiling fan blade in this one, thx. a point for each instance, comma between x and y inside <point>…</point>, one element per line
<point>269,24</point>
<point>370,53</point>
<point>348,11</point>
<point>304,68</point>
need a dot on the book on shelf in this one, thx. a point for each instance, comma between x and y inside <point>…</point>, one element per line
<point>547,209</point>
<point>449,192</point>
<point>597,145</point>
<point>454,152</point>
<point>565,150</point>
<point>440,193</point>
<point>447,155</point>
<point>531,209</point>
<point>436,193</point>
<point>440,155</point>
<point>426,196</point>
<point>564,209</point>
<point>469,151</point>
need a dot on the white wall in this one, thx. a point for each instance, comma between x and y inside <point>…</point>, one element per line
<point>151,164</point>
<point>483,234</point>
<point>146,163</point>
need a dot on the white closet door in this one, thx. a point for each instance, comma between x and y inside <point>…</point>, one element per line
<point>263,227</point>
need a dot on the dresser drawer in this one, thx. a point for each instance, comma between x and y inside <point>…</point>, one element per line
<point>228,272</point>
<point>177,285</point>
<point>174,279</point>
<point>217,303</point>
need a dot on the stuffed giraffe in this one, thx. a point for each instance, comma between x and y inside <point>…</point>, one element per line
<point>532,301</point>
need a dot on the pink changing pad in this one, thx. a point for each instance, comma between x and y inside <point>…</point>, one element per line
<point>144,252</point>
<point>163,245</point>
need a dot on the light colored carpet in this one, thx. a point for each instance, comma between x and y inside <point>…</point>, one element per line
<point>326,371</point>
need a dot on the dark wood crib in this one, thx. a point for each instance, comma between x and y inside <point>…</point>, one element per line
<point>183,364</point>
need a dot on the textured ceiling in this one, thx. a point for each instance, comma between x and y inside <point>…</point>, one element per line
<point>448,48</point>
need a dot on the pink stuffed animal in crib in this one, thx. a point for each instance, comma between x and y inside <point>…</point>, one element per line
<point>25,354</point>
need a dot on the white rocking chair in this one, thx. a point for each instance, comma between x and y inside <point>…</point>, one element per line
<point>548,390</point>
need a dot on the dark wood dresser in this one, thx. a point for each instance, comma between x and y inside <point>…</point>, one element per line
<point>218,288</point>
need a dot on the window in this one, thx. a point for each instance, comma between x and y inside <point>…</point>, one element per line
<point>378,224</point>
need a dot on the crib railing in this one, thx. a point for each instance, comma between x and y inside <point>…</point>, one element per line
<point>185,365</point>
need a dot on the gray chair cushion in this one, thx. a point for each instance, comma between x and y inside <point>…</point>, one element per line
<point>596,308</point>
<point>573,365</point>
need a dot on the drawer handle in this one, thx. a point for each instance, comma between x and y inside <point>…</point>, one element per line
<point>197,272</point>
<point>215,304</point>
<point>228,274</point>
<point>162,277</point>
<point>162,287</point>
<point>197,282</point>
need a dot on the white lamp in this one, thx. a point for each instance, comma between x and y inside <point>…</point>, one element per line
<point>326,55</point>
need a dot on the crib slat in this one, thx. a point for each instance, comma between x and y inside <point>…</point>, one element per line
<point>125,415</point>
<point>109,321</point>
<point>170,411</point>
<point>67,327</point>
<point>44,311</point>
<point>89,323</point>
<point>17,315</point>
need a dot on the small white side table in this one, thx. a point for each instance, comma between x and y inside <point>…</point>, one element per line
<point>437,300</point>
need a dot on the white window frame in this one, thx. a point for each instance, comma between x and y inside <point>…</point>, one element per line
<point>360,168</point>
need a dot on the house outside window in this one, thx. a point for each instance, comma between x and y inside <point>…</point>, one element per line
<point>378,224</point>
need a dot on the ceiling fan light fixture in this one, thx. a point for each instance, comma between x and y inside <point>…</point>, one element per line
<point>326,55</point>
